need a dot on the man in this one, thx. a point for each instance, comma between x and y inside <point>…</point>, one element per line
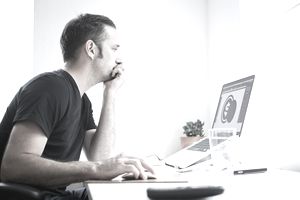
<point>50,118</point>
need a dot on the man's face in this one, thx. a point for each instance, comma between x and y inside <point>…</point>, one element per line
<point>105,63</point>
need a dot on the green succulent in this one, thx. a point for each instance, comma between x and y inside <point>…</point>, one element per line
<point>192,129</point>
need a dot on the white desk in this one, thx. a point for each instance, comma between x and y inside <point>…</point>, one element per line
<point>273,184</point>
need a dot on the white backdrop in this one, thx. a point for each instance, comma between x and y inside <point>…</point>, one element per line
<point>260,37</point>
<point>177,55</point>
<point>163,47</point>
<point>16,49</point>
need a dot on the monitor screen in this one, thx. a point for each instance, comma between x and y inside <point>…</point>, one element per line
<point>233,103</point>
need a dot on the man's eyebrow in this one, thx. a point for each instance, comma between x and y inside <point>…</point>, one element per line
<point>117,45</point>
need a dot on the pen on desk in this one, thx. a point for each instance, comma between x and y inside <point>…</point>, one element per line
<point>249,171</point>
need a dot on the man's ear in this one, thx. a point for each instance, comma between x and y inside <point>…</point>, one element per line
<point>90,48</point>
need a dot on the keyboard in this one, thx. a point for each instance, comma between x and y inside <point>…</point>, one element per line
<point>201,146</point>
<point>204,145</point>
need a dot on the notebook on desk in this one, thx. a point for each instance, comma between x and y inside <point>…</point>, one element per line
<point>231,112</point>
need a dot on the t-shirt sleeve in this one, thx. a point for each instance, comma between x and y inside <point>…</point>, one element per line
<point>90,122</point>
<point>40,102</point>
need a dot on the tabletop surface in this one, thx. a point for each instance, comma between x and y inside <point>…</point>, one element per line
<point>273,184</point>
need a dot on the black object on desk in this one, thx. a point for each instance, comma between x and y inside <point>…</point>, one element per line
<point>187,192</point>
<point>249,171</point>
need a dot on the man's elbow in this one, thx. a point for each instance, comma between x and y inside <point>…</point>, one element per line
<point>13,168</point>
<point>6,172</point>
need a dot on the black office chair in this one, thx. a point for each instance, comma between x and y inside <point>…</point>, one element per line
<point>12,191</point>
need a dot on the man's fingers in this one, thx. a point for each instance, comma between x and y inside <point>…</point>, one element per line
<point>132,169</point>
<point>144,164</point>
<point>117,71</point>
<point>138,166</point>
<point>147,166</point>
<point>135,163</point>
<point>120,164</point>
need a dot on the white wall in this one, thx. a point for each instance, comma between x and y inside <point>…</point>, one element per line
<point>168,68</point>
<point>16,50</point>
<point>261,38</point>
<point>163,47</point>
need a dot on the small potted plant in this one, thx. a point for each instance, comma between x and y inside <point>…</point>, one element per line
<point>193,132</point>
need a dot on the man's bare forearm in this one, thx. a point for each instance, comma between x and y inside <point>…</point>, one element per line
<point>103,141</point>
<point>35,170</point>
<point>101,144</point>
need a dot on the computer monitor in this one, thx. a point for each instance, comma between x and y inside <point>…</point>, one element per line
<point>233,103</point>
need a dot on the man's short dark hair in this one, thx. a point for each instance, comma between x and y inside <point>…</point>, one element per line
<point>81,29</point>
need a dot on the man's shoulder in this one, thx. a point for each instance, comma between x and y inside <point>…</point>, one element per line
<point>48,79</point>
<point>51,83</point>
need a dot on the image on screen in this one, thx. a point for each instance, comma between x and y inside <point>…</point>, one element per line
<point>233,103</point>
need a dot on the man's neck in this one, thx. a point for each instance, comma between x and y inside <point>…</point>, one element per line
<point>81,75</point>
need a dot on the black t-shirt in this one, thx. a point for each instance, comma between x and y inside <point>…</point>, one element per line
<point>53,102</point>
